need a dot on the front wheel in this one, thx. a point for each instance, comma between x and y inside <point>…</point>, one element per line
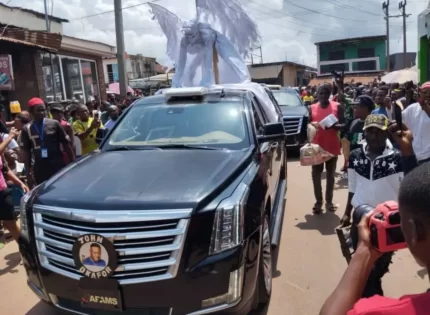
<point>265,269</point>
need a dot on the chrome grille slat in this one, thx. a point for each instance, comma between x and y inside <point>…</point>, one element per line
<point>292,125</point>
<point>151,252</point>
<point>76,232</point>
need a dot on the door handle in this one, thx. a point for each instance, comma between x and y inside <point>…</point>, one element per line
<point>274,145</point>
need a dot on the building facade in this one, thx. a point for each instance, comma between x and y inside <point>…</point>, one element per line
<point>423,45</point>
<point>353,55</point>
<point>136,67</point>
<point>282,73</point>
<point>397,61</point>
<point>76,70</point>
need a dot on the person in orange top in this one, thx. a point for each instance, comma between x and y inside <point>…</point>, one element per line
<point>327,139</point>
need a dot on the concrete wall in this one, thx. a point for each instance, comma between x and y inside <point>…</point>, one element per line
<point>351,50</point>
<point>27,20</point>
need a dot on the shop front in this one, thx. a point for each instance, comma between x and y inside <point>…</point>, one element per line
<point>19,73</point>
<point>74,78</point>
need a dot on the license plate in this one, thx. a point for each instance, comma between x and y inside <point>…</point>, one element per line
<point>101,294</point>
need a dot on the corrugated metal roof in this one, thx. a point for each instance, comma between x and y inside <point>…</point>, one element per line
<point>354,39</point>
<point>25,43</point>
<point>45,39</point>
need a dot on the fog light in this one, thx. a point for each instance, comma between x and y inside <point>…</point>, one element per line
<point>234,290</point>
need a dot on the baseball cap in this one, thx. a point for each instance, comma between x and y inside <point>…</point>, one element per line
<point>376,120</point>
<point>35,101</point>
<point>57,107</point>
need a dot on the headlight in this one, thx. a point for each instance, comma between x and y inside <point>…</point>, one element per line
<point>23,213</point>
<point>227,230</point>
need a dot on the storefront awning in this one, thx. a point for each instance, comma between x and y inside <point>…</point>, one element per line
<point>25,43</point>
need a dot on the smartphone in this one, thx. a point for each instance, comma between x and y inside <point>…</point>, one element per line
<point>398,108</point>
<point>96,114</point>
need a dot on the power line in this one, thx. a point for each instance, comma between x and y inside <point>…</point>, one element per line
<point>310,10</point>
<point>111,11</point>
<point>346,6</point>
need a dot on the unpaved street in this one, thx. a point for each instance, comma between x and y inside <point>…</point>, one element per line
<point>310,263</point>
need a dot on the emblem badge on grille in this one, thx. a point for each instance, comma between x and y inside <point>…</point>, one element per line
<point>95,256</point>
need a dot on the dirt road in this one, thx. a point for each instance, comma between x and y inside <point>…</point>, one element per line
<point>310,262</point>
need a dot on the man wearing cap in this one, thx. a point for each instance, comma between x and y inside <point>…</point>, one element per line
<point>42,138</point>
<point>417,118</point>
<point>375,169</point>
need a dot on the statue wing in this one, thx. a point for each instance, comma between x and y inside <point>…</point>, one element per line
<point>171,26</point>
<point>231,20</point>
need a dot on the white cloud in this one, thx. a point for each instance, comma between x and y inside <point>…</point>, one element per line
<point>288,32</point>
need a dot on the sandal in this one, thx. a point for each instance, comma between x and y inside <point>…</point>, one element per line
<point>330,207</point>
<point>317,209</point>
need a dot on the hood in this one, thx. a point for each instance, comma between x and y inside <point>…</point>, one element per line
<point>155,179</point>
<point>294,110</point>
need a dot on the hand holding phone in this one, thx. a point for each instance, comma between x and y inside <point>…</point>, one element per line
<point>398,108</point>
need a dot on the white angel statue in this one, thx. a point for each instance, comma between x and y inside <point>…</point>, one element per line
<point>202,55</point>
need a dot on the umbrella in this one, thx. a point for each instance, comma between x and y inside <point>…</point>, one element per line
<point>401,76</point>
<point>114,88</point>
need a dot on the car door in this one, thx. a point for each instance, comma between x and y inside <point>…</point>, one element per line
<point>268,150</point>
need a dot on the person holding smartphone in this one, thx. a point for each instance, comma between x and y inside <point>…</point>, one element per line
<point>85,128</point>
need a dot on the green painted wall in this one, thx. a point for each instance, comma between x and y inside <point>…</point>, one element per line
<point>423,59</point>
<point>351,50</point>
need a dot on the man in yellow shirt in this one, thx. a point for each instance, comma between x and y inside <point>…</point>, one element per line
<point>85,128</point>
<point>308,97</point>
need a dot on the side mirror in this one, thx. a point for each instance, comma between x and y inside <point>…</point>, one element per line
<point>272,132</point>
<point>101,134</point>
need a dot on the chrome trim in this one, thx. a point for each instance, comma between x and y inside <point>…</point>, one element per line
<point>36,290</point>
<point>214,309</point>
<point>57,228</point>
<point>295,126</point>
<point>103,216</point>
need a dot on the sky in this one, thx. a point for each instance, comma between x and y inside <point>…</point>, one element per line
<point>289,28</point>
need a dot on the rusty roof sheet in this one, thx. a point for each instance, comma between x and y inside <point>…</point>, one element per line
<point>44,39</point>
<point>25,43</point>
<point>353,39</point>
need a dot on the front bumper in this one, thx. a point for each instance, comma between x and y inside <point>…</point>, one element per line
<point>181,295</point>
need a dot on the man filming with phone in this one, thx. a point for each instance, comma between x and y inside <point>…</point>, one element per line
<point>86,129</point>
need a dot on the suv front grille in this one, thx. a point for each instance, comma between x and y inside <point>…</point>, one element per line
<point>293,125</point>
<point>148,243</point>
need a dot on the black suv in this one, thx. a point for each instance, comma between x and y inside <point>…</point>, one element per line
<point>180,211</point>
<point>296,116</point>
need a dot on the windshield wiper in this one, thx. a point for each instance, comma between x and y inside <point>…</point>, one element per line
<point>132,148</point>
<point>187,146</point>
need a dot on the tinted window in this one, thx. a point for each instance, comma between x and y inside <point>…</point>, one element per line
<point>218,124</point>
<point>287,98</point>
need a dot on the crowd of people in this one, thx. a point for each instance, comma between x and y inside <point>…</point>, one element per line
<point>379,149</point>
<point>39,142</point>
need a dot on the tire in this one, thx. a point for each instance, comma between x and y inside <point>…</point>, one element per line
<point>265,269</point>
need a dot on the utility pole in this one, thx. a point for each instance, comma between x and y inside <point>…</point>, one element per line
<point>120,50</point>
<point>53,78</point>
<point>402,7</point>
<point>385,6</point>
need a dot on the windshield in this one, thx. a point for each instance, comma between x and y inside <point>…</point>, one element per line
<point>285,98</point>
<point>219,124</point>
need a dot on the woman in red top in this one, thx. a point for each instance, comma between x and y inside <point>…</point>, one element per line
<point>328,140</point>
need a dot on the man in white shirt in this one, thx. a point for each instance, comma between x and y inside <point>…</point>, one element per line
<point>113,113</point>
<point>417,118</point>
